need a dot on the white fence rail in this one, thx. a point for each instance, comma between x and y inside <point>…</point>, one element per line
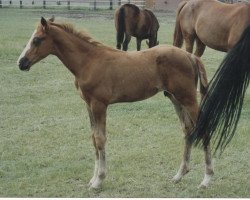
<point>90,4</point>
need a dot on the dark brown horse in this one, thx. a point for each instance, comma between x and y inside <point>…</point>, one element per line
<point>131,21</point>
<point>105,76</point>
<point>210,23</point>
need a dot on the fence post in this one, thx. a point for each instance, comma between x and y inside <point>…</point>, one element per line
<point>21,4</point>
<point>68,5</point>
<point>111,5</point>
<point>44,4</point>
<point>95,5</point>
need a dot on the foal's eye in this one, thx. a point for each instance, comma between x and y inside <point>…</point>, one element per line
<point>37,41</point>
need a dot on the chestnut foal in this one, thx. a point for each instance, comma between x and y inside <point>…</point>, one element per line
<point>104,76</point>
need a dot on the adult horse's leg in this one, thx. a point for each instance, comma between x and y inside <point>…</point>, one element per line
<point>119,39</point>
<point>98,112</point>
<point>200,47</point>
<point>118,45</point>
<point>126,42</point>
<point>138,44</point>
<point>189,42</point>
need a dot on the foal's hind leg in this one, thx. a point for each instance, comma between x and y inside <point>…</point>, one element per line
<point>187,115</point>
<point>209,172</point>
<point>126,42</point>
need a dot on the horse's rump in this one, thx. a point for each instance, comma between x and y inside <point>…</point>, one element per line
<point>154,25</point>
<point>126,18</point>
<point>178,37</point>
<point>211,23</point>
<point>131,21</point>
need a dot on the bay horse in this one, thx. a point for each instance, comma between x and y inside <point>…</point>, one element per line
<point>131,21</point>
<point>210,23</point>
<point>221,108</point>
<point>105,76</point>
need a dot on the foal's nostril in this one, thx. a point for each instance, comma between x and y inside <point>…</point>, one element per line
<point>24,64</point>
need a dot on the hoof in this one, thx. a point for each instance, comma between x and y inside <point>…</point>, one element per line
<point>91,182</point>
<point>205,183</point>
<point>96,184</point>
<point>203,186</point>
<point>176,179</point>
<point>93,187</point>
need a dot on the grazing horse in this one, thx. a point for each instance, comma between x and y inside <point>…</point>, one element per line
<point>210,23</point>
<point>132,21</point>
<point>105,76</point>
<point>221,108</point>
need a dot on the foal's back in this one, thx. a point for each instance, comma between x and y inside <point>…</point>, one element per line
<point>139,75</point>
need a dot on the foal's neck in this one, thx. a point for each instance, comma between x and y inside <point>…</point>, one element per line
<point>71,50</point>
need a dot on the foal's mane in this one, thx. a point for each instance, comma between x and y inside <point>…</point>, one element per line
<point>82,34</point>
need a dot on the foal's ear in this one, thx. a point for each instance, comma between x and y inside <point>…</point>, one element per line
<point>44,24</point>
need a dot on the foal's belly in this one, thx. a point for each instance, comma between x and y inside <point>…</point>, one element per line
<point>133,97</point>
<point>135,90</point>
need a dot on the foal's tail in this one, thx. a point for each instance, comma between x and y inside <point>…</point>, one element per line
<point>202,76</point>
<point>221,108</point>
<point>178,37</point>
<point>120,25</point>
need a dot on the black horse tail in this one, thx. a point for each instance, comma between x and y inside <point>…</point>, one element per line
<point>178,37</point>
<point>120,25</point>
<point>221,108</point>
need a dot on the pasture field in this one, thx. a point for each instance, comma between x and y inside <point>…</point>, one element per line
<point>45,144</point>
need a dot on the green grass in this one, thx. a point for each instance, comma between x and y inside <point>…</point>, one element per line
<point>45,143</point>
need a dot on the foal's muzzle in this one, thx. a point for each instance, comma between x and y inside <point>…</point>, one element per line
<point>24,64</point>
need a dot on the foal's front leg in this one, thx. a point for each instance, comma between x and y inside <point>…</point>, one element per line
<point>98,113</point>
<point>91,118</point>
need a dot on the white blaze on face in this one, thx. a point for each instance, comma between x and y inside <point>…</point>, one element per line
<point>26,48</point>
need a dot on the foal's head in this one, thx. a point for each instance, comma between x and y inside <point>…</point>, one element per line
<point>39,46</point>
